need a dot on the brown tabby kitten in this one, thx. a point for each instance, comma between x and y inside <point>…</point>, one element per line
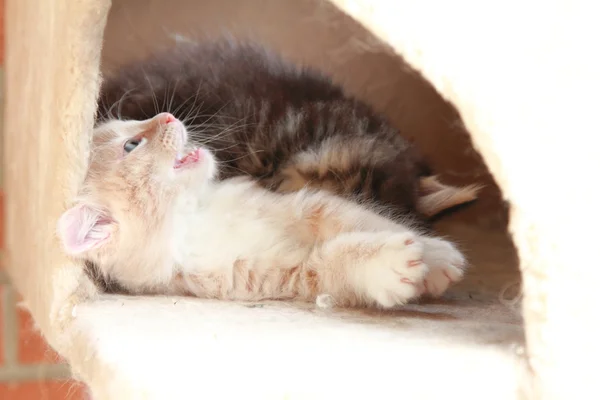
<point>286,126</point>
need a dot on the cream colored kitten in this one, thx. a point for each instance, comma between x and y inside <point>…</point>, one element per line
<point>151,216</point>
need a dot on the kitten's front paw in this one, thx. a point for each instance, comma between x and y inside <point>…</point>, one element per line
<point>446,266</point>
<point>395,273</point>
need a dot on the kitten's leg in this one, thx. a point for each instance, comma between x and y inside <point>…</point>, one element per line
<point>332,217</point>
<point>364,268</point>
<point>328,216</point>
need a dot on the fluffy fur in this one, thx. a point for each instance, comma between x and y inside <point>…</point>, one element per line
<point>157,221</point>
<point>288,127</point>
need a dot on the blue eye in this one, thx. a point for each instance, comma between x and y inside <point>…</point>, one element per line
<point>131,144</point>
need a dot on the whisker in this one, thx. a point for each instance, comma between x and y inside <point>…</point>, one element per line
<point>154,99</point>
<point>120,106</point>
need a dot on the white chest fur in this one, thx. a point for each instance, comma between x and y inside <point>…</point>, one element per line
<point>221,223</point>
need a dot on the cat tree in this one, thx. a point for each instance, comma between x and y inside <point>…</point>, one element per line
<point>522,76</point>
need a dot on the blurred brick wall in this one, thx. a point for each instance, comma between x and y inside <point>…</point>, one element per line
<point>29,370</point>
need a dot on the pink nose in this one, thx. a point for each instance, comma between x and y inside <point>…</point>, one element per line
<point>165,118</point>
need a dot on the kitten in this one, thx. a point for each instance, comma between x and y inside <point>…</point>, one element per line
<point>286,126</point>
<point>152,217</point>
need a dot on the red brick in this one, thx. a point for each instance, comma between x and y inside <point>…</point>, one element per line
<point>33,349</point>
<point>43,390</point>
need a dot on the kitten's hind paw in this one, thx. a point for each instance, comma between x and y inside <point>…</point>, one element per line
<point>396,271</point>
<point>446,266</point>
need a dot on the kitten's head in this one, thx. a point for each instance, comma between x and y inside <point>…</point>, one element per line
<point>137,171</point>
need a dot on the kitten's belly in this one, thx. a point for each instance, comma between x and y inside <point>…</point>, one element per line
<point>209,242</point>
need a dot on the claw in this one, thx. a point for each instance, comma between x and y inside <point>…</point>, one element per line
<point>448,276</point>
<point>408,281</point>
<point>414,263</point>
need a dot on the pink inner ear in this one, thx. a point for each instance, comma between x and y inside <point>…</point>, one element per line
<point>83,228</point>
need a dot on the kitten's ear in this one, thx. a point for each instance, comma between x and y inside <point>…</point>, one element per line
<point>83,228</point>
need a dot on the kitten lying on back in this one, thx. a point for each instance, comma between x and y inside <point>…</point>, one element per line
<point>286,126</point>
<point>152,217</point>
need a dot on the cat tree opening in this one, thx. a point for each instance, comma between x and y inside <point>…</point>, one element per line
<point>470,344</point>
